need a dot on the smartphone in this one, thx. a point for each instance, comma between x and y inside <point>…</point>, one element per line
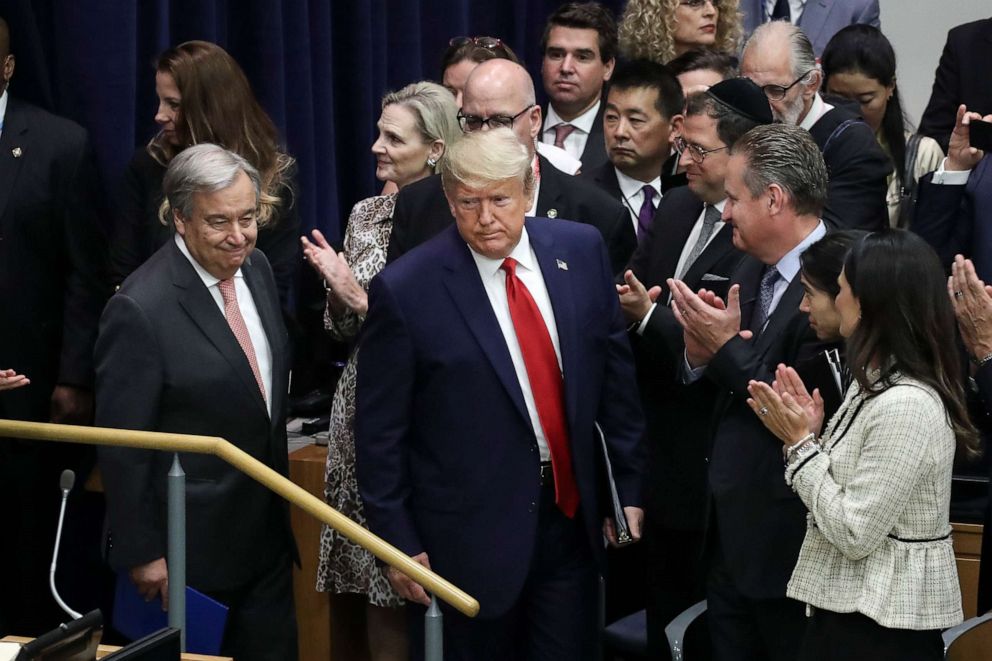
<point>980,133</point>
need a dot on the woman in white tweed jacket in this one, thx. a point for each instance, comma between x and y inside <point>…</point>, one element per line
<point>877,566</point>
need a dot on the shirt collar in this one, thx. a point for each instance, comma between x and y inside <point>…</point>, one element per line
<point>788,266</point>
<point>816,111</point>
<point>521,253</point>
<point>631,187</point>
<point>208,279</point>
<point>583,122</point>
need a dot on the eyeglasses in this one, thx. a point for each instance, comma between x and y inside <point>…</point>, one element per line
<point>470,123</point>
<point>489,43</point>
<point>777,92</point>
<point>696,153</point>
<point>698,4</point>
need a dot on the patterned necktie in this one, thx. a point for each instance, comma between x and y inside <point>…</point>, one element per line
<point>765,294</point>
<point>710,217</point>
<point>646,214</point>
<point>237,323</point>
<point>562,131</point>
<point>546,384</point>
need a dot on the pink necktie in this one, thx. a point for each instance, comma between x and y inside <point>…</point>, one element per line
<point>239,328</point>
<point>562,131</point>
<point>545,383</point>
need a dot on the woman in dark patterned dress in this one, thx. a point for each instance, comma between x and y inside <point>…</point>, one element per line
<point>415,125</point>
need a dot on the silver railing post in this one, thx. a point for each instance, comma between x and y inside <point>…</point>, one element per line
<point>177,549</point>
<point>433,632</point>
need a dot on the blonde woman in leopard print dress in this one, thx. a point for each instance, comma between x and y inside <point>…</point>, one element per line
<point>415,125</point>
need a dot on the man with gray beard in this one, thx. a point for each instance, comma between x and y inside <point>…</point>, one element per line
<point>779,58</point>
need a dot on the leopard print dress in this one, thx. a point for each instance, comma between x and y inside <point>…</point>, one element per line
<point>345,567</point>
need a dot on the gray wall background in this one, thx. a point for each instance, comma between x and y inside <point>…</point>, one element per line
<point>918,30</point>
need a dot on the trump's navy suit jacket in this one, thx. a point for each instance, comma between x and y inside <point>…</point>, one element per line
<point>447,458</point>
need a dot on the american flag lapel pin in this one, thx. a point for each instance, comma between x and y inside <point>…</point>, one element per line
<point>562,264</point>
<point>16,151</point>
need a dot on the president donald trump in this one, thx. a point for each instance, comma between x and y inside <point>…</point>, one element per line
<point>488,357</point>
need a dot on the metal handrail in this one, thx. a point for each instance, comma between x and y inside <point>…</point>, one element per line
<point>42,431</point>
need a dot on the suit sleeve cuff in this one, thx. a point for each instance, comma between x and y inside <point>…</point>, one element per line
<point>688,373</point>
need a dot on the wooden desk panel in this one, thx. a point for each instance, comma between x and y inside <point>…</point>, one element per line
<point>968,552</point>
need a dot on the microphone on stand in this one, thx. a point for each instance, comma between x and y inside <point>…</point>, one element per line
<point>66,481</point>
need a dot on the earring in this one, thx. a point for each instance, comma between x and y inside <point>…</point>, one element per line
<point>431,161</point>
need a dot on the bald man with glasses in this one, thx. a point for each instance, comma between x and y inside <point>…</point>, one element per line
<point>500,94</point>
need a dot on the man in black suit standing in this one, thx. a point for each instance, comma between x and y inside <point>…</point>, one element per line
<point>52,289</point>
<point>756,523</point>
<point>194,343</point>
<point>688,241</point>
<point>643,106</point>
<point>500,93</point>
<point>579,47</point>
<point>779,58</point>
<point>962,77</point>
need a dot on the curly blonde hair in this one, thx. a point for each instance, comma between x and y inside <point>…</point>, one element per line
<point>647,26</point>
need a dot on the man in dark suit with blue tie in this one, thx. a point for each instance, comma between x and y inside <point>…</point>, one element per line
<point>488,359</point>
<point>756,523</point>
<point>194,343</point>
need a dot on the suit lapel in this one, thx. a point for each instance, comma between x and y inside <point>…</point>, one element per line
<point>717,248</point>
<point>469,296</point>
<point>549,198</point>
<point>606,176</point>
<point>814,18</point>
<point>271,326</point>
<point>559,286</point>
<point>202,309</point>
<point>748,276</point>
<point>14,133</point>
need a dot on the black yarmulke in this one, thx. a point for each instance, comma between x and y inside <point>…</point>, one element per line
<point>745,98</point>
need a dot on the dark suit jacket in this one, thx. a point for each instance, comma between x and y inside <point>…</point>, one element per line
<point>166,360</point>
<point>446,456</point>
<point>594,153</point>
<point>422,211</point>
<point>52,257</point>
<point>962,77</point>
<point>858,171</point>
<point>760,521</point>
<point>677,416</point>
<point>820,20</point>
<point>958,219</point>
<point>605,177</point>
<point>139,233</point>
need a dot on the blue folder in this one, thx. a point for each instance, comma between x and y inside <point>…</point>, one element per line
<point>135,618</point>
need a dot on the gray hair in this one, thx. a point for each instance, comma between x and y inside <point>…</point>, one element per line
<point>202,168</point>
<point>434,110</point>
<point>789,157</point>
<point>481,158</point>
<point>801,54</point>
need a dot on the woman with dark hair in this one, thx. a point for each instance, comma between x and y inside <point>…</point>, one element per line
<point>464,54</point>
<point>820,265</point>
<point>204,96</point>
<point>859,64</point>
<point>877,566</point>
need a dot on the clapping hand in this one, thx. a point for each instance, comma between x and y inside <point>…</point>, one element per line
<point>333,267</point>
<point>972,301</point>
<point>635,299</point>
<point>707,322</point>
<point>781,414</point>
<point>9,379</point>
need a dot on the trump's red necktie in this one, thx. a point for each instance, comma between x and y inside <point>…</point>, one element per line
<point>545,383</point>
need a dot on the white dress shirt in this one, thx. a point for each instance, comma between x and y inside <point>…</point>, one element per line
<point>796,8</point>
<point>494,281</point>
<point>633,194</point>
<point>259,341</point>
<point>3,109</point>
<point>950,177</point>
<point>697,229</point>
<point>575,143</point>
<point>816,111</point>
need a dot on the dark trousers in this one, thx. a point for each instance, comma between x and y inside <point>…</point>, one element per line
<point>261,622</point>
<point>675,579</point>
<point>747,629</point>
<point>841,636</point>
<point>555,617</point>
